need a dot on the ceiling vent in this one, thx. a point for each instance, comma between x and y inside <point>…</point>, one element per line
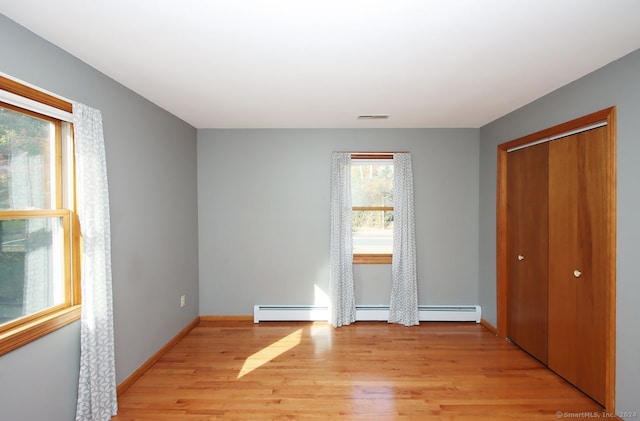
<point>373,117</point>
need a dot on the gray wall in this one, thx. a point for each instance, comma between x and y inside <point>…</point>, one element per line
<point>263,221</point>
<point>151,160</point>
<point>264,215</point>
<point>616,84</point>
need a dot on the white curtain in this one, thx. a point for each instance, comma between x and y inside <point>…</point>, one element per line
<point>97,398</point>
<point>342,305</point>
<point>403,306</point>
<point>27,191</point>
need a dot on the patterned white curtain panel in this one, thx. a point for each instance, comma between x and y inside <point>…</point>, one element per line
<point>97,398</point>
<point>342,306</point>
<point>403,306</point>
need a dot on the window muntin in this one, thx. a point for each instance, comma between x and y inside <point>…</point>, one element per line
<point>39,247</point>
<point>372,204</point>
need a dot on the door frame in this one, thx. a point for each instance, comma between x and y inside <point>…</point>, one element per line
<point>608,115</point>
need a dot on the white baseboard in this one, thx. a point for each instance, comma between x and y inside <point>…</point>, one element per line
<point>447,313</point>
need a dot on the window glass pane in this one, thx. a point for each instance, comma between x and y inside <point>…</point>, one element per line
<point>372,232</point>
<point>372,182</point>
<point>31,264</point>
<point>26,161</point>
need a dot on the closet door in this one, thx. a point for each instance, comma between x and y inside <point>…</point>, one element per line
<point>527,219</point>
<point>578,259</point>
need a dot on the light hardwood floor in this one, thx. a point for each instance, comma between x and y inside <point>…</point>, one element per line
<point>366,371</point>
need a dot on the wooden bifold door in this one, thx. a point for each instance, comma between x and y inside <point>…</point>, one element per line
<point>528,225</point>
<point>560,229</point>
<point>578,259</point>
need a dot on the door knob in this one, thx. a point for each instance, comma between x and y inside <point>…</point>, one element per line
<point>520,257</point>
<point>577,273</point>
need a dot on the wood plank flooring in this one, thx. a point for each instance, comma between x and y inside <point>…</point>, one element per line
<point>366,371</point>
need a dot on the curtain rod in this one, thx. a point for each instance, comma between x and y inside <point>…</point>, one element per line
<point>35,106</point>
<point>363,156</point>
<point>372,153</point>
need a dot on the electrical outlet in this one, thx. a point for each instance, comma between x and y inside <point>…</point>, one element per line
<point>183,300</point>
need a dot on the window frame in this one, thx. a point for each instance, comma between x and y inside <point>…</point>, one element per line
<point>372,258</point>
<point>24,330</point>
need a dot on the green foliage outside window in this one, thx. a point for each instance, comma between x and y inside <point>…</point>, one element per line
<point>19,134</point>
<point>372,186</point>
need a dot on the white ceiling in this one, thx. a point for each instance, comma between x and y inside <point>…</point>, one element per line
<point>321,63</point>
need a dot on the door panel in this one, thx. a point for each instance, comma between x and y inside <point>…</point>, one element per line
<point>527,219</point>
<point>593,240</point>
<point>578,259</point>
<point>563,256</point>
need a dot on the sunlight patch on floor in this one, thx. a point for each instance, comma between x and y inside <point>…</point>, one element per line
<point>322,337</point>
<point>267,354</point>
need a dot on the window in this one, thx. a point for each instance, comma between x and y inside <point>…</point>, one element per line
<point>372,202</point>
<point>39,233</point>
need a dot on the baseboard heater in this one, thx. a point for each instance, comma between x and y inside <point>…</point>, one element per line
<point>264,313</point>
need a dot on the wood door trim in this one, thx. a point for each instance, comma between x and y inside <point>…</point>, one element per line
<point>610,344</point>
<point>608,115</point>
